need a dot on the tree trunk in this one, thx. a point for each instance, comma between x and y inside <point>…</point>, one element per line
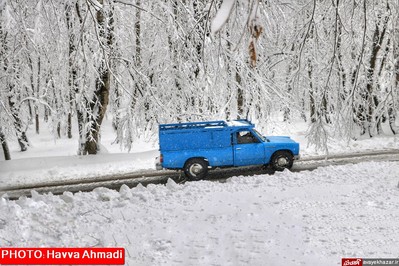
<point>370,81</point>
<point>69,125</point>
<point>136,59</point>
<point>3,142</point>
<point>137,33</point>
<point>392,116</point>
<point>72,66</point>
<point>287,110</point>
<point>358,107</point>
<point>59,130</point>
<point>21,135</point>
<point>240,94</point>
<point>37,122</point>
<point>200,28</point>
<point>312,101</point>
<point>73,75</point>
<point>99,103</point>
<point>371,99</point>
<point>395,84</point>
<point>392,119</point>
<point>37,92</point>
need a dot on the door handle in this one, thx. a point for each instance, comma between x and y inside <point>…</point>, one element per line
<point>238,149</point>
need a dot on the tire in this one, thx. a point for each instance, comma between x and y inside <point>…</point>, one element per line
<point>282,160</point>
<point>196,169</point>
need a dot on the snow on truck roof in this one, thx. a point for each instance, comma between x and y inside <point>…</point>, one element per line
<point>239,123</point>
<point>206,124</point>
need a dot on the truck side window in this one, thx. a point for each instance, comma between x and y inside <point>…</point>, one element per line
<point>244,137</point>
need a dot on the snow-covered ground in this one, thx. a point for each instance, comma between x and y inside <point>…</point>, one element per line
<point>49,159</point>
<point>304,218</point>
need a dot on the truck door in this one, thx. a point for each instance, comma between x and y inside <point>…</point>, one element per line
<point>248,149</point>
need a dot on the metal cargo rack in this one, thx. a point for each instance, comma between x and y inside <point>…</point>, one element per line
<point>205,124</point>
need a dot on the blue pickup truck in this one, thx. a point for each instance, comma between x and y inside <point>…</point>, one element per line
<point>196,147</point>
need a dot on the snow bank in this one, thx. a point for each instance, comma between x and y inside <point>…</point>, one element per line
<point>306,218</point>
<point>58,168</point>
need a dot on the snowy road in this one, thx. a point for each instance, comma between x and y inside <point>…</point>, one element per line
<point>115,181</point>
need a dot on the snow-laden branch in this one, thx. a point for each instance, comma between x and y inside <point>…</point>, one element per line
<point>222,15</point>
<point>36,100</point>
<point>125,2</point>
<point>97,5</point>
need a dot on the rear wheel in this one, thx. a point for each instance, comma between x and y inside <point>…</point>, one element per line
<point>282,160</point>
<point>196,169</point>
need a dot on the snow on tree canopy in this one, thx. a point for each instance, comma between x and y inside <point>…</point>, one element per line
<point>222,15</point>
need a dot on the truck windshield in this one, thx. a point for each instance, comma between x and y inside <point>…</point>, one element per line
<point>259,135</point>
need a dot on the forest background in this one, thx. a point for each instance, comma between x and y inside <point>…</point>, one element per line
<point>331,63</point>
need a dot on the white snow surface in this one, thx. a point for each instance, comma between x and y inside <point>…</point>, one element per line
<point>20,172</point>
<point>305,218</point>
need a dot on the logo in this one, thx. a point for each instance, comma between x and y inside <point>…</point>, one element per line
<point>63,256</point>
<point>352,262</point>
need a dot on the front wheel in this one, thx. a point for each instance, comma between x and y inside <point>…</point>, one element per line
<point>282,160</point>
<point>196,169</point>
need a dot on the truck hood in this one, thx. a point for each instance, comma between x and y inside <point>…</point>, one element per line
<point>280,139</point>
<point>284,143</point>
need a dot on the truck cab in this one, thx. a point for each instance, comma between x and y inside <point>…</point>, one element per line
<point>196,147</point>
